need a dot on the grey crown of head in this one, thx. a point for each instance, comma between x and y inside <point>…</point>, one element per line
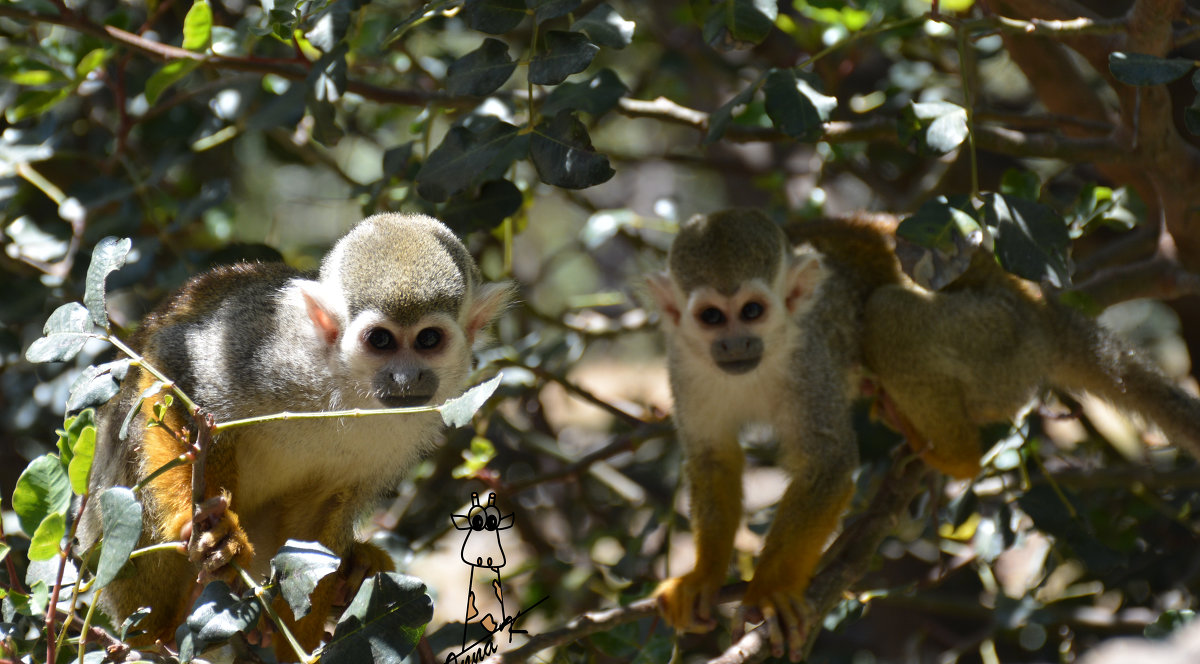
<point>725,250</point>
<point>403,266</point>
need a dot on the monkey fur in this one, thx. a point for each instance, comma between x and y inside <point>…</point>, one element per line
<point>389,321</point>
<point>760,333</point>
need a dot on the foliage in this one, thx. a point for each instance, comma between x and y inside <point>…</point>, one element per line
<point>565,138</point>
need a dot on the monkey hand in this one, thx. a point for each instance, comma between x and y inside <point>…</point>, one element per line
<point>686,602</point>
<point>782,607</point>
<point>215,539</point>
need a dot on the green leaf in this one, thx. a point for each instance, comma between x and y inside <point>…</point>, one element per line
<point>214,619</point>
<point>605,27</point>
<point>563,155</point>
<point>938,126</point>
<point>97,384</point>
<point>481,71</point>
<point>1141,69</point>
<point>458,412</point>
<point>43,489</point>
<point>720,118</point>
<point>383,623</point>
<point>47,538</point>
<point>153,389</point>
<point>168,75</point>
<point>109,255</point>
<point>121,521</point>
<point>566,53</point>
<point>81,460</point>
<point>462,157</point>
<point>1021,183</point>
<point>298,567</point>
<point>496,201</point>
<point>936,224</point>
<point>197,26</point>
<point>739,24</point>
<point>595,96</point>
<point>495,17</point>
<point>795,107</point>
<point>91,62</point>
<point>1031,239</point>
<point>330,26</point>
<point>67,330</point>
<point>324,87</point>
<point>68,436</point>
<point>544,10</point>
<point>32,103</point>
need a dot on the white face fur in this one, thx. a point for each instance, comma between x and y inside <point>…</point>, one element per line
<point>736,333</point>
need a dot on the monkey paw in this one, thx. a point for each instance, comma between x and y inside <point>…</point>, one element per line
<point>216,539</point>
<point>686,602</point>
<point>786,614</point>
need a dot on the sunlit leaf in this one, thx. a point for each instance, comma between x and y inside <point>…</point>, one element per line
<point>795,107</point>
<point>214,619</point>
<point>197,26</point>
<point>67,330</point>
<point>47,537</point>
<point>298,567</point>
<point>42,489</point>
<point>121,521</point>
<point>1031,239</point>
<point>458,411</point>
<point>383,623</point>
<point>109,255</point>
<point>168,75</point>
<point>604,26</point>
<point>80,465</point>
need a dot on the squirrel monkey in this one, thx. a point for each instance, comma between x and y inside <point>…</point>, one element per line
<point>389,321</point>
<point>758,332</point>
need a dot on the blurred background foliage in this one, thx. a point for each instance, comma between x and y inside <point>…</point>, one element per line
<point>565,139</point>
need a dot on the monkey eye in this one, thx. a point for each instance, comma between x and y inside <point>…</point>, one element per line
<point>381,339</point>
<point>711,316</point>
<point>428,338</point>
<point>752,310</point>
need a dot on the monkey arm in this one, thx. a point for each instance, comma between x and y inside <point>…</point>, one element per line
<point>715,477</point>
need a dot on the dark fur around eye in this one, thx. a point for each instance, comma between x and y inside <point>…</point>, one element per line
<point>711,316</point>
<point>380,339</point>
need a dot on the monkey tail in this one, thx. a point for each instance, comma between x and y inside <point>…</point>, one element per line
<point>1096,361</point>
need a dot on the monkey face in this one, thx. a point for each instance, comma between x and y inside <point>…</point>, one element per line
<point>733,326</point>
<point>402,366</point>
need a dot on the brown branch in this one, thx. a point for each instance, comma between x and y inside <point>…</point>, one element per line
<point>1021,144</point>
<point>1158,277</point>
<point>626,443</point>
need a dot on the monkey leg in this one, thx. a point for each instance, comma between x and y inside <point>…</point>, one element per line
<point>938,414</point>
<point>715,476</point>
<point>807,515</point>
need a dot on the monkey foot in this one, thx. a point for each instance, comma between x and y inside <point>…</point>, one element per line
<point>216,539</point>
<point>686,602</point>
<point>786,615</point>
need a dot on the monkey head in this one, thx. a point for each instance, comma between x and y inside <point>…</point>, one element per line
<point>398,305</point>
<point>733,289</point>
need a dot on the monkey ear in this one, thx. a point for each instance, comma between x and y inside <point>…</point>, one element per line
<point>324,321</point>
<point>804,276</point>
<point>662,289</point>
<point>490,299</point>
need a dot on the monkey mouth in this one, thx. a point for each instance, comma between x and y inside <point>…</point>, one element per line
<point>738,367</point>
<point>404,400</point>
